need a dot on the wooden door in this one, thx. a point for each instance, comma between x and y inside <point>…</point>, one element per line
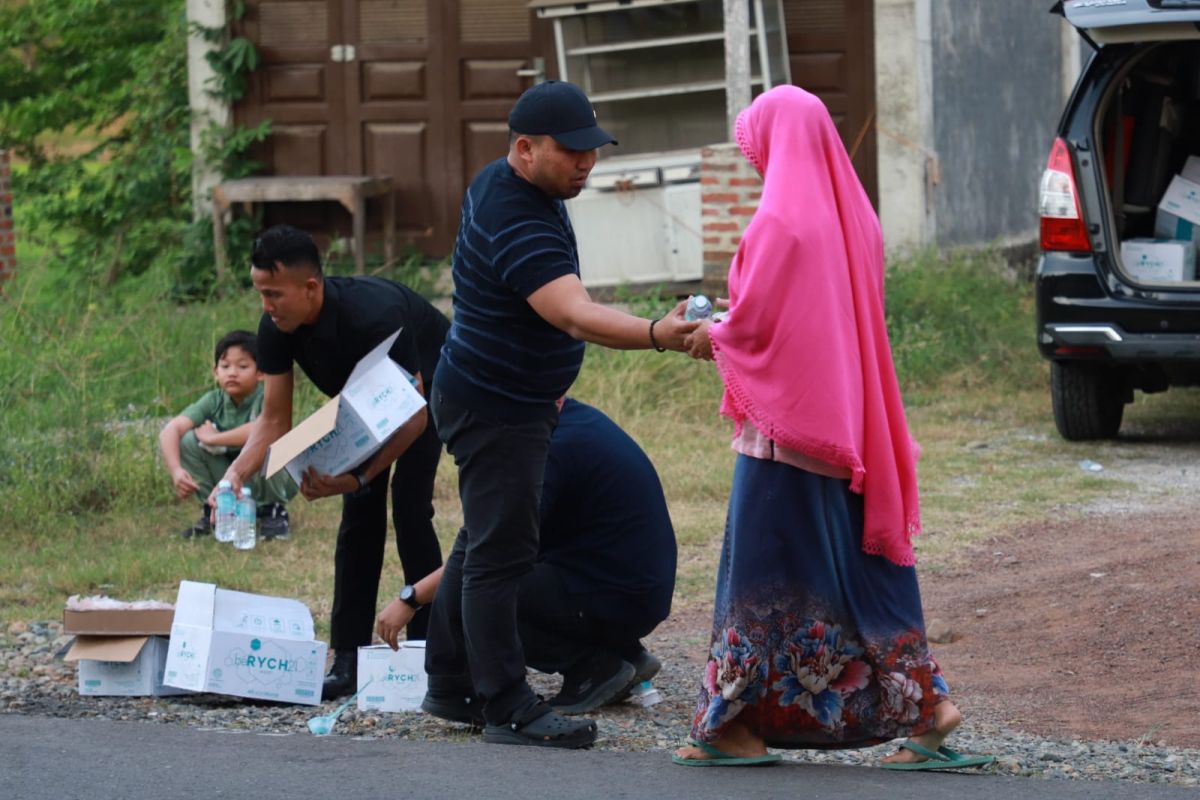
<point>418,90</point>
<point>831,49</point>
<point>297,85</point>
<point>396,92</point>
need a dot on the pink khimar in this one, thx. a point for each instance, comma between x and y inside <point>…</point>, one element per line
<point>804,351</point>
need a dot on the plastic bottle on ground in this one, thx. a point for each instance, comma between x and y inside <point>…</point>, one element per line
<point>247,510</point>
<point>226,512</point>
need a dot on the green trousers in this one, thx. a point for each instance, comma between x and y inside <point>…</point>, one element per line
<point>208,468</point>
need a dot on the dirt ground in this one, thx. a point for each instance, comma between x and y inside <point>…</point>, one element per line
<point>1084,626</point>
<point>1088,628</point>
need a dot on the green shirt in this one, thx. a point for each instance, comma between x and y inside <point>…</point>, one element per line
<point>219,407</point>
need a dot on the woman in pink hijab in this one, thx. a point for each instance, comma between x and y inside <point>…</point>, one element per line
<point>818,636</point>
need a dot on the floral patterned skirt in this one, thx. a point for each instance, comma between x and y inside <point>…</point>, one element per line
<point>815,643</point>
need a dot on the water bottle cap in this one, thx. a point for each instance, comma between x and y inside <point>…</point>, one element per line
<point>224,484</point>
<point>700,301</point>
<point>245,491</point>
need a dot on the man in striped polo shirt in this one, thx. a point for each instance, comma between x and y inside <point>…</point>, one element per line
<point>521,317</point>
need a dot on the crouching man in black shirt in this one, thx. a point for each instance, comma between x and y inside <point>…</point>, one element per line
<point>325,325</point>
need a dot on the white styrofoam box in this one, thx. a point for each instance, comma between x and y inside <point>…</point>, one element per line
<point>246,645</point>
<point>391,680</point>
<point>1158,260</point>
<point>1178,213</point>
<point>126,666</point>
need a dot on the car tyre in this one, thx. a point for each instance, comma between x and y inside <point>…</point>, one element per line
<point>1088,399</point>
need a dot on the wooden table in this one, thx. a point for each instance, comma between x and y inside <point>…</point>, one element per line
<point>351,191</point>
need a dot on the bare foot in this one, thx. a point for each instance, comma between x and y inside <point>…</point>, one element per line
<point>946,717</point>
<point>736,740</point>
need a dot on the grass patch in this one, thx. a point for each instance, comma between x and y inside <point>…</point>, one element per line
<point>87,377</point>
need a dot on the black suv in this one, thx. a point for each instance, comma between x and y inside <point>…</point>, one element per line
<point>1130,125</point>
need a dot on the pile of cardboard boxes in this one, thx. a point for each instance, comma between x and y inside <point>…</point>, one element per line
<point>1170,257</point>
<point>250,645</point>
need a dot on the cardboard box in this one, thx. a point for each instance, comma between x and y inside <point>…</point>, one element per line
<point>379,397</point>
<point>129,666</point>
<point>246,645</point>
<point>1178,214</point>
<point>119,621</point>
<point>391,680</point>
<point>1191,169</point>
<point>1157,261</point>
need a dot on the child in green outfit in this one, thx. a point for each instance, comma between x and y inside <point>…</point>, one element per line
<point>199,444</point>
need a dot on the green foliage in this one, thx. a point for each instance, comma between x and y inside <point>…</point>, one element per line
<point>112,76</point>
<point>960,318</point>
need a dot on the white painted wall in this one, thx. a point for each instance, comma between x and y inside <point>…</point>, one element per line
<point>907,165</point>
<point>205,108</point>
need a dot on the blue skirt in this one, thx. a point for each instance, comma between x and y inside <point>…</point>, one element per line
<point>814,643</point>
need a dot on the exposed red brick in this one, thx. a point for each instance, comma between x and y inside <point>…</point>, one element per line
<point>743,211</point>
<point>745,182</point>
<point>711,167</point>
<point>722,226</point>
<point>708,180</point>
<point>720,197</point>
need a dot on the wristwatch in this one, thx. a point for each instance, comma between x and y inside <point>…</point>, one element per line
<point>408,596</point>
<point>360,475</point>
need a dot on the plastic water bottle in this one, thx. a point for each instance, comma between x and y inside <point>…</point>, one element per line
<point>244,538</point>
<point>226,512</point>
<point>698,307</point>
<point>644,694</point>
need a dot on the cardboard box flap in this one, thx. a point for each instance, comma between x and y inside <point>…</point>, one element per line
<point>194,604</point>
<point>106,648</point>
<point>240,612</point>
<point>301,437</point>
<point>377,354</point>
<point>119,621</point>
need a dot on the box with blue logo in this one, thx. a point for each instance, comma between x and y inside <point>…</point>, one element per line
<point>391,680</point>
<point>1159,260</point>
<point>377,399</point>
<point>1178,213</point>
<point>246,645</point>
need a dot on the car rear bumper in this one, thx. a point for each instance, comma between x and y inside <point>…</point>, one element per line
<point>1108,341</point>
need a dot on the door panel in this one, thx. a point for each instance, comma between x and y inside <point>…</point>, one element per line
<point>424,100</point>
<point>831,53</point>
<point>296,85</point>
<point>394,99</point>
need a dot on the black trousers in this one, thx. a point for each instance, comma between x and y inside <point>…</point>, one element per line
<point>362,535</point>
<point>473,638</point>
<point>561,633</point>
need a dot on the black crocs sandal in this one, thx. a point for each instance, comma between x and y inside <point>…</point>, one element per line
<point>542,726</point>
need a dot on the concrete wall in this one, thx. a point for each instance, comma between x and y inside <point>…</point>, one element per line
<point>729,193</point>
<point>206,110</point>
<point>969,92</point>
<point>8,252</point>
<point>903,119</point>
<point>997,90</point>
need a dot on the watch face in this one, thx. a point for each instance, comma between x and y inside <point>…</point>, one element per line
<point>409,595</point>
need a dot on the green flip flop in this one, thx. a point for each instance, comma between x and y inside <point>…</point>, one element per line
<point>942,758</point>
<point>719,758</point>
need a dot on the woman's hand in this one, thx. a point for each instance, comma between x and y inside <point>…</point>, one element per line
<point>698,344</point>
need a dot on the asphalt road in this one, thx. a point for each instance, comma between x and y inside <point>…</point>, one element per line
<point>85,758</point>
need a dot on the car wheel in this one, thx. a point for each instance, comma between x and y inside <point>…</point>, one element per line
<point>1088,399</point>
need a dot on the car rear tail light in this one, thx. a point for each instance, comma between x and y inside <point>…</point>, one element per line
<point>1062,225</point>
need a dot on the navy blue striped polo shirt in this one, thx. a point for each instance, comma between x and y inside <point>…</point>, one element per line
<point>500,358</point>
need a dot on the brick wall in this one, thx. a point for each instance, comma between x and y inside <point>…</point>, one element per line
<point>729,194</point>
<point>8,255</point>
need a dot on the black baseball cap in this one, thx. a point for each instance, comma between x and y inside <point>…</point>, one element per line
<point>562,111</point>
